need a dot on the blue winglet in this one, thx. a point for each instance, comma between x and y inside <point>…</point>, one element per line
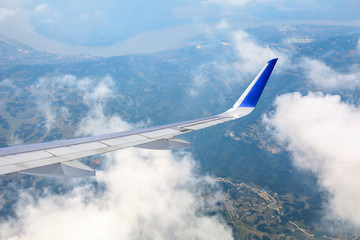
<point>254,94</point>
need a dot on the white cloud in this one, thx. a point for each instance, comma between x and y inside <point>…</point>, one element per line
<point>250,58</point>
<point>223,24</point>
<point>11,4</point>
<point>95,96</point>
<point>44,106</point>
<point>95,93</point>
<point>96,122</point>
<point>8,83</point>
<point>146,194</point>
<point>200,78</point>
<point>9,8</point>
<point>149,194</point>
<point>323,135</point>
<point>324,77</point>
<point>41,7</point>
<point>229,2</point>
<point>5,13</point>
<point>44,89</point>
<point>98,93</point>
<point>253,56</point>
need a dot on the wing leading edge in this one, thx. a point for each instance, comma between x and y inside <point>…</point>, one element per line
<point>58,158</point>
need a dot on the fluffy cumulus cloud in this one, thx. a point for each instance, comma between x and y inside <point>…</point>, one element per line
<point>245,59</point>
<point>142,193</point>
<point>326,78</point>
<point>149,194</point>
<point>323,135</point>
<point>204,73</point>
<point>95,93</point>
<point>5,13</point>
<point>9,8</point>
<point>95,96</point>
<point>252,54</point>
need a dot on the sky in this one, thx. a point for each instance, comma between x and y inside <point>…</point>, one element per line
<point>110,28</point>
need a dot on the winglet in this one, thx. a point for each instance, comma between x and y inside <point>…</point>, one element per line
<point>248,100</point>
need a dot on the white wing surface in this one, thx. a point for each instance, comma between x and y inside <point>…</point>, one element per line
<point>58,158</point>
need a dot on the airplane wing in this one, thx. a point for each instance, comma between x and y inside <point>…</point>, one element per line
<point>57,158</point>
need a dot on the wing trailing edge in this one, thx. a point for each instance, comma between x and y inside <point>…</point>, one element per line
<point>64,169</point>
<point>57,159</point>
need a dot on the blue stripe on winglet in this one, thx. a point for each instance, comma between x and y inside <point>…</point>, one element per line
<point>253,96</point>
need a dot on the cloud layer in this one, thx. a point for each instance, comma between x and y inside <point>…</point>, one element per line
<point>244,60</point>
<point>252,54</point>
<point>228,2</point>
<point>142,194</point>
<point>326,78</point>
<point>323,134</point>
<point>149,194</point>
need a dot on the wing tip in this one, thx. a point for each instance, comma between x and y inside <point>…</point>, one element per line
<point>249,99</point>
<point>252,96</point>
<point>274,60</point>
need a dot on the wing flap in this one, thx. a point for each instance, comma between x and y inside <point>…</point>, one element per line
<point>62,150</point>
<point>60,155</point>
<point>165,144</point>
<point>29,155</point>
<point>65,169</point>
<point>123,140</point>
<point>162,133</point>
<point>89,146</point>
<point>195,127</point>
<point>20,157</point>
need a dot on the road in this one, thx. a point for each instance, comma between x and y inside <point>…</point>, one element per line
<point>256,190</point>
